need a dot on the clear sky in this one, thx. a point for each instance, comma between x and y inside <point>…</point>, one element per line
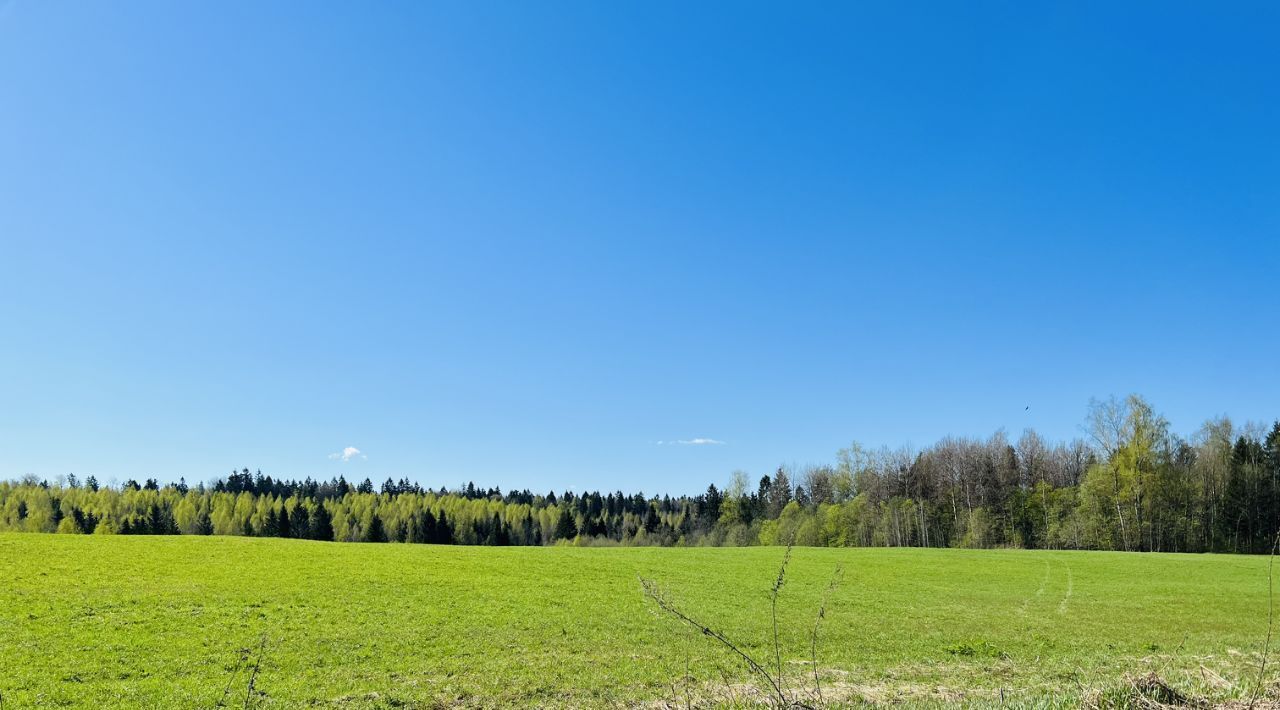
<point>522,243</point>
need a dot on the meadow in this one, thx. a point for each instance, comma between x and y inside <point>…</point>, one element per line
<point>180,621</point>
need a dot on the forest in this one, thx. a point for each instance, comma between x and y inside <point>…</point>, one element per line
<point>1130,485</point>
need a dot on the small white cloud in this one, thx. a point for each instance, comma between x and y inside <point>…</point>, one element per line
<point>693,442</point>
<point>347,454</point>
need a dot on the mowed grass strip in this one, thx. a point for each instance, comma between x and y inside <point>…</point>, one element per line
<point>114,621</point>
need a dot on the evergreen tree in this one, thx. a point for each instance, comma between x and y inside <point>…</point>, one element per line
<point>779,493</point>
<point>566,528</point>
<point>321,524</point>
<point>204,526</point>
<point>501,535</point>
<point>425,528</point>
<point>444,531</point>
<point>271,524</point>
<point>375,532</point>
<point>300,522</point>
<point>160,521</point>
<point>651,520</point>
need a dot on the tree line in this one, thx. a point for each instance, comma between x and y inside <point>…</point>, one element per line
<point>1131,485</point>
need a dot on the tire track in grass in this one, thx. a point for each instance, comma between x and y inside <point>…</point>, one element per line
<point>1066,598</point>
<point>1044,581</point>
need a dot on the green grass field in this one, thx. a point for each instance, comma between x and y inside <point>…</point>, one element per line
<point>106,621</point>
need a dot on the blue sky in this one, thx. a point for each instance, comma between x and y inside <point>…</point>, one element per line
<point>522,243</point>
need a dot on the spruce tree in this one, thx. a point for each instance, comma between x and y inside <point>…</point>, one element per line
<point>566,528</point>
<point>271,524</point>
<point>375,532</point>
<point>299,522</point>
<point>651,520</point>
<point>160,521</point>
<point>428,528</point>
<point>322,524</point>
<point>444,530</point>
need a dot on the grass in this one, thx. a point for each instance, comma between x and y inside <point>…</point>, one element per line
<point>143,622</point>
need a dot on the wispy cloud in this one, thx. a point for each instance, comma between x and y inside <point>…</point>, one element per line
<point>347,454</point>
<point>692,442</point>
